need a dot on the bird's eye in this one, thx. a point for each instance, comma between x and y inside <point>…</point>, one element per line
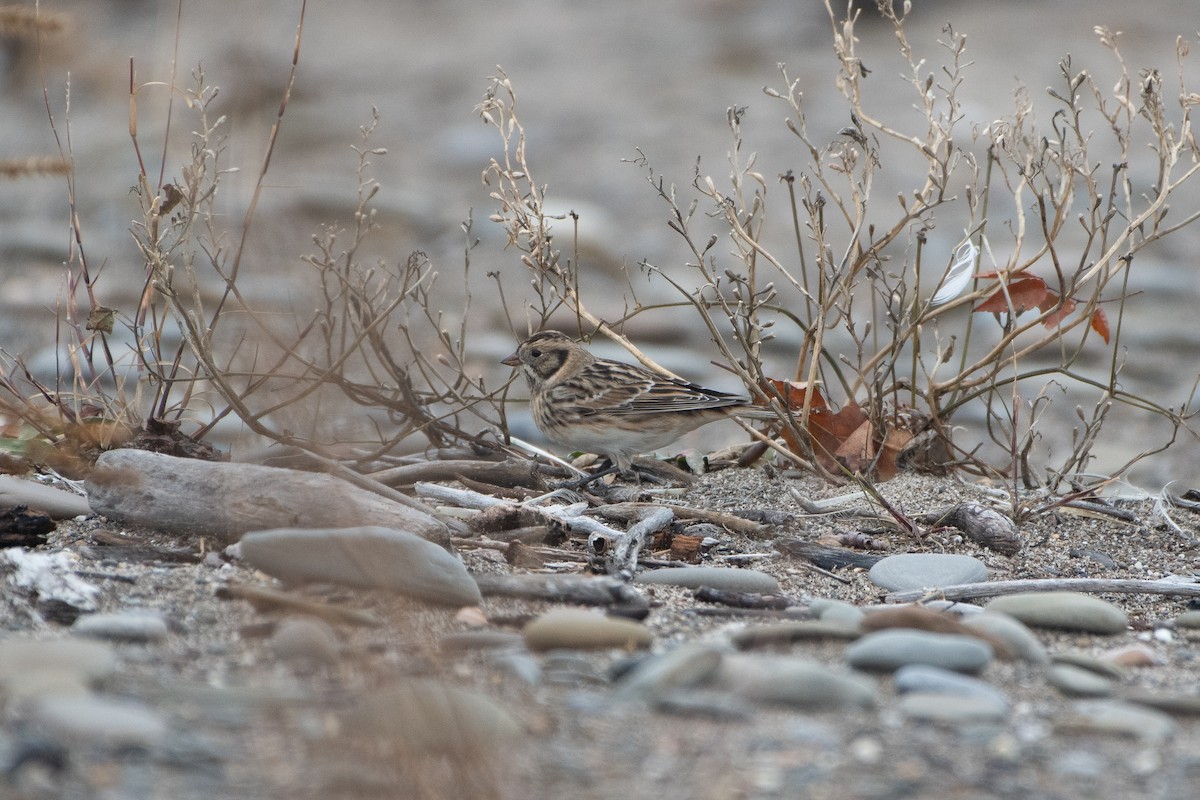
<point>535,353</point>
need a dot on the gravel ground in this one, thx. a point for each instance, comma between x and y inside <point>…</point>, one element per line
<point>247,718</point>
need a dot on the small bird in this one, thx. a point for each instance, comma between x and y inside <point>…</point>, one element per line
<point>609,407</point>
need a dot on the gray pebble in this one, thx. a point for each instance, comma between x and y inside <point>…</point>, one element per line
<point>305,639</point>
<point>952,708</point>
<point>1070,611</point>
<point>116,723</point>
<point>935,680</point>
<point>680,668</point>
<point>1022,641</point>
<point>123,626</point>
<point>926,571</point>
<point>837,612</point>
<point>781,680</point>
<point>1079,682</point>
<point>726,578</point>
<point>1117,717</point>
<point>888,650</point>
<point>369,557</point>
<point>579,629</point>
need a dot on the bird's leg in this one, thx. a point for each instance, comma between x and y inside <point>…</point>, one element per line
<point>606,468</point>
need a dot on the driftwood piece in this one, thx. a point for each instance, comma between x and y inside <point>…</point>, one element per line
<point>502,473</point>
<point>225,500</point>
<point>569,516</point>
<point>750,528</point>
<point>826,556</point>
<point>599,591</point>
<point>708,594</point>
<point>57,503</point>
<point>982,525</point>
<point>20,527</point>
<point>620,553</point>
<point>975,591</point>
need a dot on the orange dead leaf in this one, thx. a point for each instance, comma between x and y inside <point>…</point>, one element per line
<point>793,393</point>
<point>1100,323</point>
<point>1050,301</point>
<point>1026,293</point>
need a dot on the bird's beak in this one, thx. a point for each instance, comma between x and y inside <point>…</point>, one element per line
<point>511,361</point>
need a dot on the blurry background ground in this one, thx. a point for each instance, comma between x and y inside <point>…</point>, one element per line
<point>596,83</point>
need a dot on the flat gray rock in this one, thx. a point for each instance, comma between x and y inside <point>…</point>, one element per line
<point>1012,632</point>
<point>123,626</point>
<point>1070,611</point>
<point>935,680</point>
<point>909,571</point>
<point>224,500</point>
<point>729,579</point>
<point>1119,718</point>
<point>575,628</point>
<point>368,557</point>
<point>951,708</point>
<point>798,682</point>
<point>114,723</point>
<point>888,650</point>
<point>31,668</point>
<point>305,639</point>
<point>1079,682</point>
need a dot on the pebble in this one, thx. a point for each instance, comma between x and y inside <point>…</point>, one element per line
<point>789,681</point>
<point>656,676</point>
<point>726,578</point>
<point>909,571</point>
<point>786,632</point>
<point>60,666</point>
<point>460,641</point>
<point>103,720</point>
<point>1071,611</point>
<point>836,612</point>
<point>1010,630</point>
<point>123,626</point>
<point>1079,682</point>
<point>424,715</point>
<point>1117,717</point>
<point>1188,619</point>
<point>305,639</point>
<point>888,650</point>
<point>1091,663</point>
<point>369,557</point>
<point>1134,655</point>
<point>935,680</point>
<point>952,708</point>
<point>1171,702</point>
<point>579,629</point>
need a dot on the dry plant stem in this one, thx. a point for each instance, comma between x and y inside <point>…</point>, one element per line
<point>977,591</point>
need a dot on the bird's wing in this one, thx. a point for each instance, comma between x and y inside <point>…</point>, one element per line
<point>616,388</point>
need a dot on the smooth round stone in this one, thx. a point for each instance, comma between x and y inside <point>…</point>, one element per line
<point>1079,682</point>
<point>1069,611</point>
<point>578,629</point>
<point>460,641</point>
<point>369,557</point>
<point>787,632</point>
<point>656,676</point>
<point>907,571</point>
<point>1020,640</point>
<point>725,578</point>
<point>1171,702</point>
<point>837,612</point>
<point>1117,717</point>
<point>780,680</point>
<point>888,650</point>
<point>952,708</point>
<point>117,723</point>
<point>123,626</point>
<point>428,716</point>
<point>1105,669</point>
<point>935,680</point>
<point>67,666</point>
<point>303,638</point>
<point>1188,619</point>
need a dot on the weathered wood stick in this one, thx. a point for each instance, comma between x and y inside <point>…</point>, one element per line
<point>973,591</point>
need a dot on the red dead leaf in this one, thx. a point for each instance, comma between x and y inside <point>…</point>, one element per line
<point>1100,323</point>
<point>793,393</point>
<point>1026,293</point>
<point>1058,316</point>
